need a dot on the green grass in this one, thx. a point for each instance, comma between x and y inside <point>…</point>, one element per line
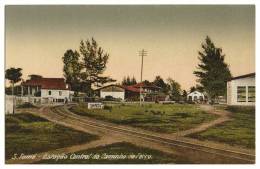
<point>154,117</point>
<point>122,148</point>
<point>28,134</point>
<point>239,131</point>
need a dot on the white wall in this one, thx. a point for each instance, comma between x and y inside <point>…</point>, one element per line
<point>55,94</point>
<point>195,93</point>
<point>8,104</point>
<point>232,90</point>
<point>120,95</point>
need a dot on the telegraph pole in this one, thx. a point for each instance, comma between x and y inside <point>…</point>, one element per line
<point>142,53</point>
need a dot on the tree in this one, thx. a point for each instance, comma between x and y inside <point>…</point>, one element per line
<point>184,95</point>
<point>34,76</point>
<point>94,63</point>
<point>212,71</point>
<point>197,88</point>
<point>158,81</point>
<point>175,89</point>
<point>192,89</point>
<point>72,69</point>
<point>133,81</point>
<point>13,75</point>
<point>127,81</point>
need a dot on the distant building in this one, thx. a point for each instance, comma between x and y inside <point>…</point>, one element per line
<point>196,96</point>
<point>241,90</point>
<point>150,92</point>
<point>47,89</point>
<point>113,91</point>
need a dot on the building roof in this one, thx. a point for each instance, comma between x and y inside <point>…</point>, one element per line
<point>132,89</point>
<point>195,93</point>
<point>243,76</point>
<point>109,86</point>
<point>145,85</point>
<point>47,83</point>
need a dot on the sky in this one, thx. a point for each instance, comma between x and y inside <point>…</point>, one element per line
<point>38,36</point>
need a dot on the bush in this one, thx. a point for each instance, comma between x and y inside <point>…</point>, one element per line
<point>109,108</point>
<point>26,105</point>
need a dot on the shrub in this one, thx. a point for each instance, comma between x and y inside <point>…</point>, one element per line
<point>109,108</point>
<point>26,105</point>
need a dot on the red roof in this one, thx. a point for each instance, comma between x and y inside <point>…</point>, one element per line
<point>47,83</point>
<point>145,85</point>
<point>132,89</point>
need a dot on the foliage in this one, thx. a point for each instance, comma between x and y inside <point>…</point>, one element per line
<point>212,71</point>
<point>26,105</point>
<point>192,89</point>
<point>84,69</point>
<point>197,88</point>
<point>174,89</point>
<point>184,95</point>
<point>72,69</point>
<point>13,74</point>
<point>127,81</point>
<point>158,81</point>
<point>94,63</point>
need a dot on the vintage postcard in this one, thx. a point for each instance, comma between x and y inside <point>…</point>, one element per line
<point>130,84</point>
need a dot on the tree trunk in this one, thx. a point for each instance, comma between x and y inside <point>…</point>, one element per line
<point>13,96</point>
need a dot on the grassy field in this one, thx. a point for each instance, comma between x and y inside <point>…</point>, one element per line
<point>154,117</point>
<point>28,134</point>
<point>240,131</point>
<point>149,156</point>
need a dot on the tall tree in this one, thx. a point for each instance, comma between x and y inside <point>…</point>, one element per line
<point>72,69</point>
<point>212,71</point>
<point>94,63</point>
<point>127,81</point>
<point>13,75</point>
<point>175,89</point>
<point>133,81</point>
<point>158,81</point>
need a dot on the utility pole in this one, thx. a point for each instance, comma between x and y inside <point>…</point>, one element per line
<point>142,53</point>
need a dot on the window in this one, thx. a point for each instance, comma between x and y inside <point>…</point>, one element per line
<point>60,93</point>
<point>251,93</point>
<point>241,93</point>
<point>49,92</point>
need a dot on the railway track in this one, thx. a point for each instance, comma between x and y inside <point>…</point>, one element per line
<point>241,157</point>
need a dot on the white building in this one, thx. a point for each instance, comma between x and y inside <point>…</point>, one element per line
<point>49,90</point>
<point>241,90</point>
<point>115,91</point>
<point>195,96</point>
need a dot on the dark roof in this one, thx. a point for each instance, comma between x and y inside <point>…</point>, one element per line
<point>243,76</point>
<point>47,83</point>
<point>145,85</point>
<point>109,86</point>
